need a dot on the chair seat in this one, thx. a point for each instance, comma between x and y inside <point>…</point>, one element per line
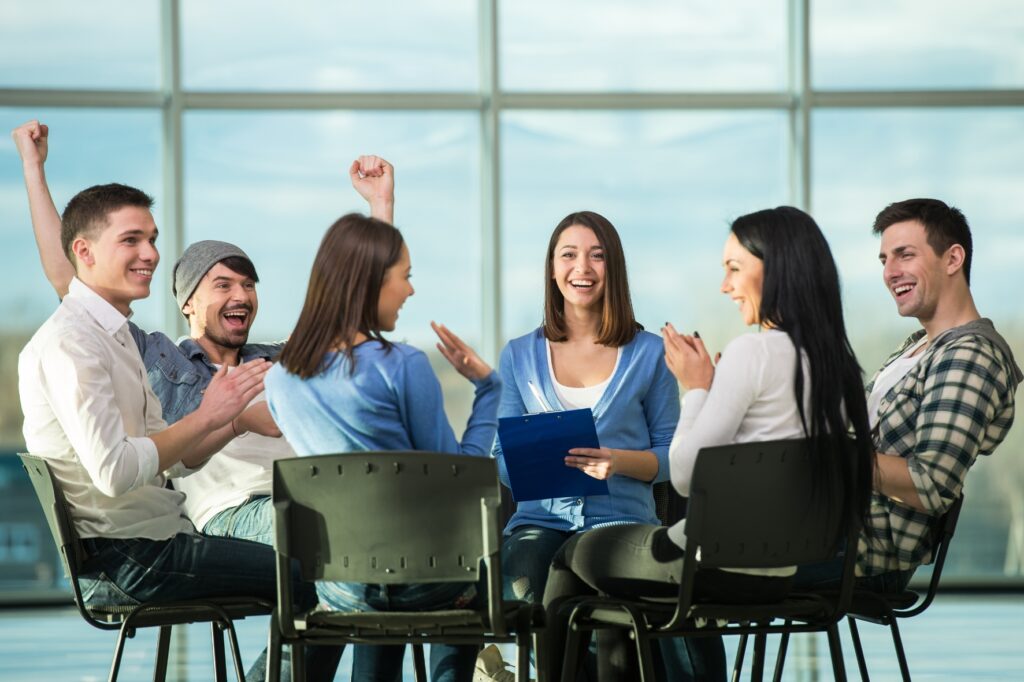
<point>877,606</point>
<point>797,607</point>
<point>385,623</point>
<point>181,612</point>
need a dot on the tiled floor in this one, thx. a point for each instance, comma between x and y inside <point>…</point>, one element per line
<point>959,638</point>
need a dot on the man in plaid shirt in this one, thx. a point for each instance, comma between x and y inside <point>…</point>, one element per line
<point>943,398</point>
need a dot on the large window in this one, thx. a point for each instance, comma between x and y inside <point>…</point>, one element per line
<point>501,117</point>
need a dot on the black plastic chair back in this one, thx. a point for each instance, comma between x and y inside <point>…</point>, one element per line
<point>58,518</point>
<point>754,505</point>
<point>394,517</point>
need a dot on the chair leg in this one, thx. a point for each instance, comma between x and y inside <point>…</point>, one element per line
<point>574,646</point>
<point>419,663</point>
<point>115,665</point>
<point>220,671</point>
<point>523,637</point>
<point>901,655</point>
<point>780,657</point>
<point>236,654</point>
<point>644,655</point>
<point>757,665</point>
<point>737,666</point>
<point>274,645</point>
<point>835,648</point>
<point>298,662</point>
<point>858,649</point>
<point>163,648</point>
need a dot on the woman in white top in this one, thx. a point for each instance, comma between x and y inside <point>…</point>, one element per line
<point>780,272</point>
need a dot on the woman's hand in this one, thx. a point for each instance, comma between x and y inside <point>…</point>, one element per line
<point>463,358</point>
<point>600,463</point>
<point>687,358</point>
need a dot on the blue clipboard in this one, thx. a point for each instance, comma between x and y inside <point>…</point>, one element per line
<point>535,447</point>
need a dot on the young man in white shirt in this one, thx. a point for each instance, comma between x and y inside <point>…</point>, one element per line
<point>90,410</point>
<point>214,284</point>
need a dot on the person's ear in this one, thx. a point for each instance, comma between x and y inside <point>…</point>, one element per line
<point>82,249</point>
<point>187,308</point>
<point>955,256</point>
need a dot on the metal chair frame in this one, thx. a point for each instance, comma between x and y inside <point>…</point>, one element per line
<point>423,517</point>
<point>219,612</point>
<point>774,525</point>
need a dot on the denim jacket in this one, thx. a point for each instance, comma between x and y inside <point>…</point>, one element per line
<point>179,373</point>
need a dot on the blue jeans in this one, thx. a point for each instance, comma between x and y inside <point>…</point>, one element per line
<point>252,520</point>
<point>383,663</point>
<point>826,574</point>
<point>526,557</point>
<point>190,566</point>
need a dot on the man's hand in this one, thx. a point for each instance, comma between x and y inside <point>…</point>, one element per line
<point>374,179</point>
<point>31,140</point>
<point>228,394</point>
<point>599,463</point>
<point>463,358</point>
<point>256,419</point>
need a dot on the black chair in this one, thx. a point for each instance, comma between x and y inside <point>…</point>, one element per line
<point>392,518</point>
<point>220,612</point>
<point>887,609</point>
<point>751,505</point>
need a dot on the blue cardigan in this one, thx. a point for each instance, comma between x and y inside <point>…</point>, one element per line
<point>638,411</point>
<point>393,401</point>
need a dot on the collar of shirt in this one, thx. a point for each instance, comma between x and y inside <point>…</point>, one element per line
<point>109,317</point>
<point>193,350</point>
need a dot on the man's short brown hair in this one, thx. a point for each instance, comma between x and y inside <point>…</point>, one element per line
<point>944,225</point>
<point>88,211</point>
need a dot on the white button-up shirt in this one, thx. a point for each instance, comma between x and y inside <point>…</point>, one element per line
<point>88,409</point>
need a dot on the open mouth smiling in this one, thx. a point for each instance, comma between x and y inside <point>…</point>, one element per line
<point>236,318</point>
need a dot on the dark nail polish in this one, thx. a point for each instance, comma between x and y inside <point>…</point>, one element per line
<point>696,335</point>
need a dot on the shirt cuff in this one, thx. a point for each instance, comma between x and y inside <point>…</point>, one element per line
<point>927,491</point>
<point>488,381</point>
<point>148,459</point>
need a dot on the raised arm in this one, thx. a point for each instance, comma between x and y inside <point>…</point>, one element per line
<point>31,142</point>
<point>374,179</point>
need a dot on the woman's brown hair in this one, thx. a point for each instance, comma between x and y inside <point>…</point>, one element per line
<point>344,288</point>
<point>618,325</point>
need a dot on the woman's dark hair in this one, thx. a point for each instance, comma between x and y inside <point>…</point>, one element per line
<point>344,288</point>
<point>801,296</point>
<point>618,326</point>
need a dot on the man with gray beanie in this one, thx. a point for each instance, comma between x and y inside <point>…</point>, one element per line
<point>214,284</point>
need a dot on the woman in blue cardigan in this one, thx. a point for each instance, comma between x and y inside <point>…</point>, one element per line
<point>590,352</point>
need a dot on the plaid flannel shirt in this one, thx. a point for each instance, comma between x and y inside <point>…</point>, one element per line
<point>957,402</point>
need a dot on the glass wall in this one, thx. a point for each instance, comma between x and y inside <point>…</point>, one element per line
<point>501,117</point>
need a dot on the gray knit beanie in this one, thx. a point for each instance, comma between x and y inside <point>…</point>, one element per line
<point>196,262</point>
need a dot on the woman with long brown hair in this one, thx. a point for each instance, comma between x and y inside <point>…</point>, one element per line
<point>341,386</point>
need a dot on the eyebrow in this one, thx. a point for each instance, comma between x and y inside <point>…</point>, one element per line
<point>136,232</point>
<point>898,251</point>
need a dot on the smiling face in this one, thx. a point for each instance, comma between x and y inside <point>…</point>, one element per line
<point>395,288</point>
<point>913,273</point>
<point>222,308</point>
<point>119,260</point>
<point>578,267</point>
<point>744,279</point>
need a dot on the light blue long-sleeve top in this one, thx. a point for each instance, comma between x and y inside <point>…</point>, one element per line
<point>638,411</point>
<point>392,401</point>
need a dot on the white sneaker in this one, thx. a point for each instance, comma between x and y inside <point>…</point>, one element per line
<point>491,667</point>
